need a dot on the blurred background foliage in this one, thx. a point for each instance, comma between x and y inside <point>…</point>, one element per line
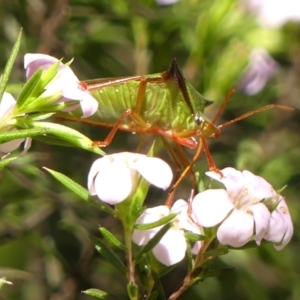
<point>45,250</point>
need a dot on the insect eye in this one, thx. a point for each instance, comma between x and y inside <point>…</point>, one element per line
<point>199,119</point>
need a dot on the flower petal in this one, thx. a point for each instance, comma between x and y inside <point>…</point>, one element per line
<point>171,248</point>
<point>257,186</point>
<point>261,217</point>
<point>6,104</point>
<point>154,170</point>
<point>10,146</point>
<point>89,105</point>
<point>211,207</point>
<point>232,179</point>
<point>236,230</point>
<point>114,185</point>
<point>150,215</point>
<point>184,218</point>
<point>102,163</point>
<point>281,227</point>
<point>35,61</point>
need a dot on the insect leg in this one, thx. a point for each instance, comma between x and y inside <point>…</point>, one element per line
<point>133,114</point>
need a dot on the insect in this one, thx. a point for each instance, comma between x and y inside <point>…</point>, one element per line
<point>165,104</point>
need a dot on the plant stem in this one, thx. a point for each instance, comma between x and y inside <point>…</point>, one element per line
<point>188,280</point>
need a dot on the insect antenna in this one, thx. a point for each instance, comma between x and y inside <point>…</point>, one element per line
<point>255,111</point>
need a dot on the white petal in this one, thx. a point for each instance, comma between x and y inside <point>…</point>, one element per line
<point>261,217</point>
<point>102,163</point>
<point>211,207</point>
<point>7,103</point>
<point>184,217</point>
<point>236,230</point>
<point>89,105</point>
<point>10,146</point>
<point>180,205</point>
<point>171,248</point>
<point>154,170</point>
<point>257,186</point>
<point>280,227</point>
<point>232,179</point>
<point>38,57</point>
<point>197,247</point>
<point>35,61</point>
<point>27,145</point>
<point>150,215</point>
<point>113,185</point>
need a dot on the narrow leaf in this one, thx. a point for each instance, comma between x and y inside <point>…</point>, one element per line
<point>163,271</point>
<point>78,189</point>
<point>160,222</point>
<point>19,134</point>
<point>159,286</point>
<point>152,243</point>
<point>109,237</point>
<point>43,78</point>
<point>9,65</point>
<point>216,252</point>
<point>193,237</point>
<point>108,254</point>
<point>29,86</point>
<point>68,134</point>
<point>154,295</point>
<point>5,162</point>
<point>211,273</point>
<point>98,294</point>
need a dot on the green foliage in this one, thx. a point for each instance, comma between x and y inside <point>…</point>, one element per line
<point>43,227</point>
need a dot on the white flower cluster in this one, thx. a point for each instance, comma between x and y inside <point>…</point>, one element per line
<point>65,84</point>
<point>248,209</point>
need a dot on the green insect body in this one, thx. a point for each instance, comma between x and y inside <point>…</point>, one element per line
<point>163,103</point>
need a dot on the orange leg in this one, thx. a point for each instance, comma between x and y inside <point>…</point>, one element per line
<point>133,114</point>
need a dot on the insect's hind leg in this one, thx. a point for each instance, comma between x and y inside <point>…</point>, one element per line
<point>133,114</point>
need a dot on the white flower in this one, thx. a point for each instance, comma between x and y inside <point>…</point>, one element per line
<point>172,246</point>
<point>260,70</point>
<point>275,13</point>
<point>166,2</point>
<point>65,82</point>
<point>240,210</point>
<point>114,177</point>
<point>6,106</point>
<point>280,229</point>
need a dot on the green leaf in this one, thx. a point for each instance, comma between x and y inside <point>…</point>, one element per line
<point>132,290</point>
<point>193,237</point>
<point>155,224</point>
<point>159,286</point>
<point>70,184</point>
<point>109,237</point>
<point>153,296</point>
<point>216,252</point>
<point>189,257</point>
<point>35,87</point>
<point>9,65</point>
<point>152,243</point>
<point>78,190</point>
<point>68,134</point>
<point>165,270</point>
<point>208,274</point>
<point>19,134</point>
<point>26,91</point>
<point>5,162</point>
<point>108,254</point>
<point>39,116</point>
<point>98,294</point>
